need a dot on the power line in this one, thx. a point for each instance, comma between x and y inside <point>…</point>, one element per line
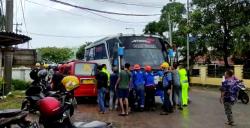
<point>64,36</point>
<point>109,18</point>
<point>100,11</point>
<point>133,4</point>
<point>113,18</point>
<point>23,17</point>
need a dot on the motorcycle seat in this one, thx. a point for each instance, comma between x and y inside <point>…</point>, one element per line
<point>13,118</point>
<point>9,113</point>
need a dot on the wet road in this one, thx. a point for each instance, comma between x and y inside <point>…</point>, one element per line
<point>205,111</point>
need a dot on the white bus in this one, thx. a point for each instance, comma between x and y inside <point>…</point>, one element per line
<point>138,49</point>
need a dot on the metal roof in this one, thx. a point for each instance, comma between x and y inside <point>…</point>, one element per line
<point>8,39</point>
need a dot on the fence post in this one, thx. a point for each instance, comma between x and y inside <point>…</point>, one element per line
<point>203,74</point>
<point>238,71</point>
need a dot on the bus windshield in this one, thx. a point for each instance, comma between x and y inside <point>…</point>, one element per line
<point>85,69</point>
<point>143,50</point>
<point>152,57</point>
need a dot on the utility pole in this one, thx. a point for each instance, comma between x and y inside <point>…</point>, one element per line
<point>170,30</point>
<point>188,36</point>
<point>17,30</point>
<point>8,51</point>
<point>9,15</point>
<point>131,29</point>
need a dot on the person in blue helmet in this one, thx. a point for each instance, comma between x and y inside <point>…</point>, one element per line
<point>149,89</point>
<point>138,82</point>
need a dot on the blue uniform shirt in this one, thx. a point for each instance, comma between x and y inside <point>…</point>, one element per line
<point>149,79</point>
<point>160,73</point>
<point>138,78</point>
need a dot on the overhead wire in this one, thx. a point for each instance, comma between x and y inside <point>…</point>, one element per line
<point>100,11</point>
<point>64,36</point>
<point>25,25</point>
<point>133,4</point>
<point>109,18</point>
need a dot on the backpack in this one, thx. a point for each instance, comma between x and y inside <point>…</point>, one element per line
<point>165,81</point>
<point>176,78</point>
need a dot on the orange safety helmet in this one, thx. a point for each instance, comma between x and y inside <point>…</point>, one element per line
<point>137,67</point>
<point>148,68</point>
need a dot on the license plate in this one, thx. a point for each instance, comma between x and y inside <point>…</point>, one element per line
<point>87,81</point>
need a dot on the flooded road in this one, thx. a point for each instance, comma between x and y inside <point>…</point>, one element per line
<point>205,111</point>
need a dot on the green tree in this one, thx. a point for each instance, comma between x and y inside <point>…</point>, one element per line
<point>219,24</point>
<point>81,51</point>
<point>54,54</point>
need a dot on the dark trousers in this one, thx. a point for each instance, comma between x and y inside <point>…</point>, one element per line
<point>176,96</point>
<point>150,97</point>
<point>132,99</point>
<point>228,111</point>
<point>167,106</point>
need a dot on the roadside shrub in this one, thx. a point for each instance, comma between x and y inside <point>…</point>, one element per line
<point>20,84</point>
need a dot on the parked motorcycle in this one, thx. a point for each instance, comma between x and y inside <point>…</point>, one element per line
<point>38,90</point>
<point>243,96</point>
<point>56,111</point>
<point>15,117</point>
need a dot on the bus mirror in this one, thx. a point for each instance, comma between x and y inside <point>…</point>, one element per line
<point>120,51</point>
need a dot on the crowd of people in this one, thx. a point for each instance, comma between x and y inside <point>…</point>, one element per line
<point>134,89</point>
<point>49,75</point>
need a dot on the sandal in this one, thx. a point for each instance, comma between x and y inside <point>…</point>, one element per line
<point>121,114</point>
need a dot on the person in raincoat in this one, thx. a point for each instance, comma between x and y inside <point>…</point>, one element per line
<point>184,85</point>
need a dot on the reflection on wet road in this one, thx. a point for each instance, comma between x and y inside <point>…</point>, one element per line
<point>205,111</point>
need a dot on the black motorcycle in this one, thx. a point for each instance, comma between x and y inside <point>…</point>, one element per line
<point>15,117</point>
<point>243,96</point>
<point>33,95</point>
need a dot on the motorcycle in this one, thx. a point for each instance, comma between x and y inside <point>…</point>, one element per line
<point>57,111</point>
<point>36,92</point>
<point>243,96</point>
<point>11,117</point>
<point>66,109</point>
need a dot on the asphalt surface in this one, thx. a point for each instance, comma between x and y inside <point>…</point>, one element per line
<point>205,111</point>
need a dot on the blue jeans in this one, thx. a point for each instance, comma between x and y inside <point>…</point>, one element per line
<point>101,98</point>
<point>111,99</point>
<point>140,95</point>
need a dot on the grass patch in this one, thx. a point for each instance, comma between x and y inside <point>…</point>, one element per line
<point>13,101</point>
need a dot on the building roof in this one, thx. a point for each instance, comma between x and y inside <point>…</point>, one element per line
<point>8,39</point>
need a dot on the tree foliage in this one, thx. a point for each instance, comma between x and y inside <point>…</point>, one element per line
<point>223,26</point>
<point>54,54</point>
<point>81,51</point>
<point>220,24</point>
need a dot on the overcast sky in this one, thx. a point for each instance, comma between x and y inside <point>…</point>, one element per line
<point>80,24</point>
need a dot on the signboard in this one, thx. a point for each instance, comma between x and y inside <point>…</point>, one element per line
<point>24,57</point>
<point>140,42</point>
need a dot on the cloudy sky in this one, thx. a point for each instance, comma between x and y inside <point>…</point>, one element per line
<point>52,24</point>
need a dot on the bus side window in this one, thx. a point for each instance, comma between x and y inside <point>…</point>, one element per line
<point>100,52</point>
<point>112,49</point>
<point>86,54</point>
<point>91,53</point>
<point>112,46</point>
